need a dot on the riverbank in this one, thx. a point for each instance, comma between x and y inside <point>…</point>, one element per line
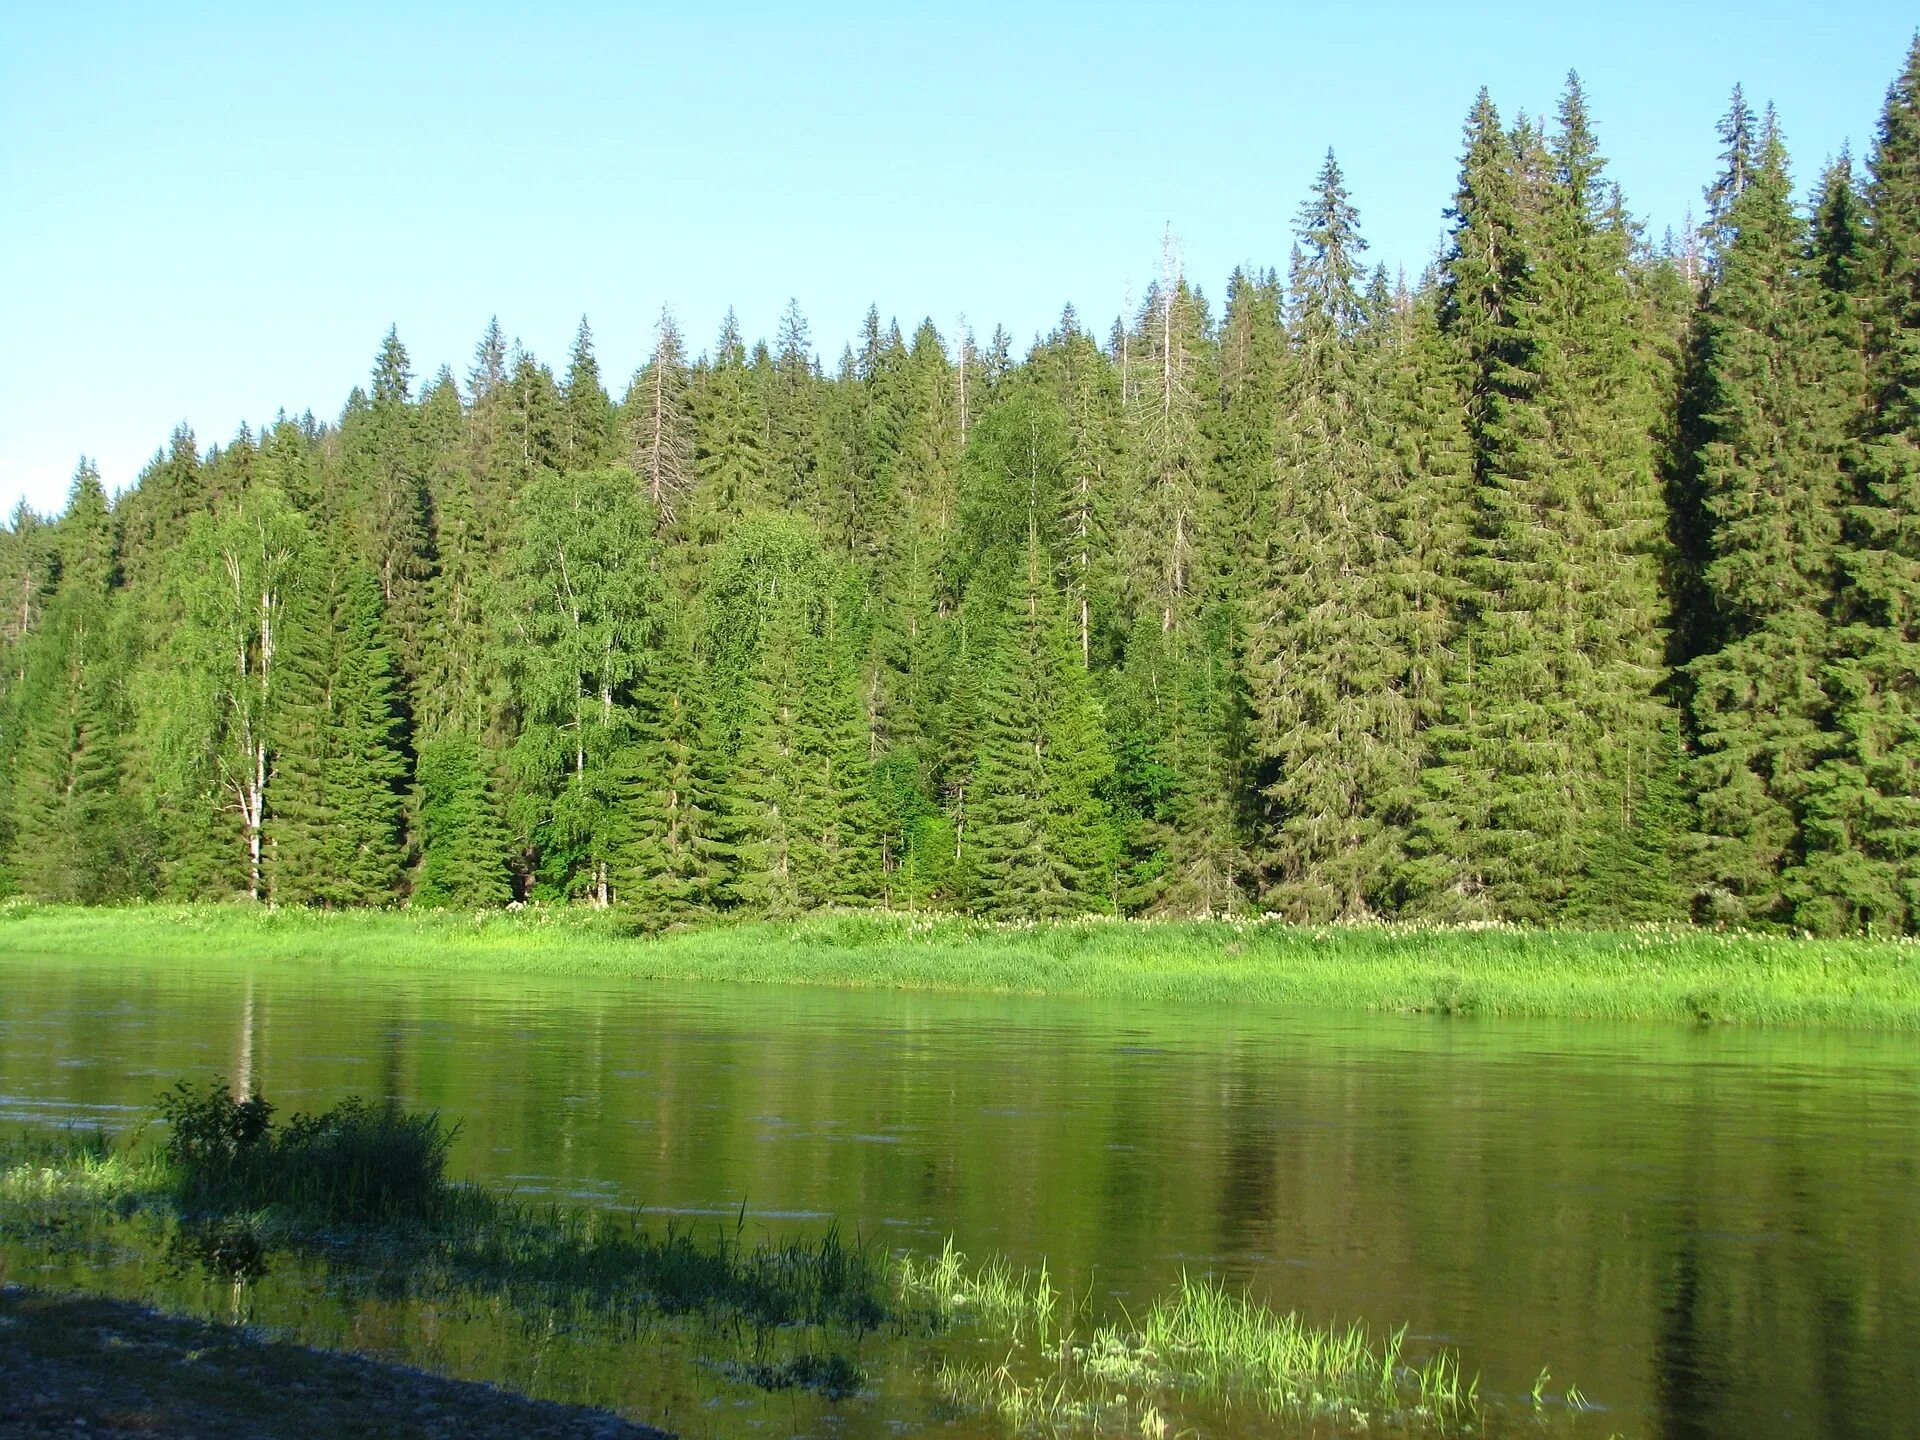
<point>1661,973</point>
<point>74,1364</point>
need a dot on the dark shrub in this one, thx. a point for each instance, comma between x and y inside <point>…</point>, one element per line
<point>356,1162</point>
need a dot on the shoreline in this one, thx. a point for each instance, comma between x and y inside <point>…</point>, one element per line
<point>1664,973</point>
<point>77,1363</point>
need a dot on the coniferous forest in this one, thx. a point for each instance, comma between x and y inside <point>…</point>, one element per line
<point>1575,580</point>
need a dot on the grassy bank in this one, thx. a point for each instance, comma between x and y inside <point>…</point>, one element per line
<point>1672,973</point>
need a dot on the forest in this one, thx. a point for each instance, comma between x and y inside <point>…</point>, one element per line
<point>1573,581</point>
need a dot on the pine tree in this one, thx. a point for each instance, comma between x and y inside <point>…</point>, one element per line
<point>1552,732</point>
<point>730,442</point>
<point>674,858</point>
<point>1037,842</point>
<point>1338,730</point>
<point>459,690</point>
<point>387,474</point>
<point>75,836</point>
<point>333,829</point>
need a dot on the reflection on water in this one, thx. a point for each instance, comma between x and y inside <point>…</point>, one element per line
<point>1713,1232</point>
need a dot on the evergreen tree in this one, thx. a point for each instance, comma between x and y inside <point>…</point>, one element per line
<point>583,596</point>
<point>1863,820</point>
<point>75,837</point>
<point>334,820</point>
<point>730,441</point>
<point>587,425</point>
<point>1777,407</point>
<point>675,857</point>
<point>463,862</point>
<point>1331,656</point>
<point>1037,841</point>
<point>387,474</point>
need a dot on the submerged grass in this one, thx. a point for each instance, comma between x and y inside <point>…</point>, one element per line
<point>1657,972</point>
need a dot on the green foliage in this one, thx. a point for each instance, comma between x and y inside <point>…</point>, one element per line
<point>334,818</point>
<point>357,1163</point>
<point>1780,393</point>
<point>463,845</point>
<point>1572,580</point>
<point>583,595</point>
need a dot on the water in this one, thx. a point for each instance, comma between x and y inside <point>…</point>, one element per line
<point>1712,1232</point>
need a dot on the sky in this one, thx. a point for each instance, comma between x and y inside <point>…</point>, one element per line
<point>209,213</point>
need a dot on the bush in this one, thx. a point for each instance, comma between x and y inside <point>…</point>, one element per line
<point>360,1161</point>
<point>356,1162</point>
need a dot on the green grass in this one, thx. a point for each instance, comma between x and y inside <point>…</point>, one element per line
<point>1671,973</point>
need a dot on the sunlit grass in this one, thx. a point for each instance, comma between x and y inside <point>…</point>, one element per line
<point>1010,1301</point>
<point>1655,972</point>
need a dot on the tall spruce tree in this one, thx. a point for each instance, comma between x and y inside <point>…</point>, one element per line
<point>1780,396</point>
<point>1330,657</point>
<point>334,821</point>
<point>1863,811</point>
<point>75,836</point>
<point>464,859</point>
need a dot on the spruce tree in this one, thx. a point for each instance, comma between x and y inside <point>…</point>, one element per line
<point>587,422</point>
<point>1037,842</point>
<point>387,476</point>
<point>1777,407</point>
<point>463,861</point>
<point>1338,734</point>
<point>675,856</point>
<point>1863,821</point>
<point>334,821</point>
<point>75,836</point>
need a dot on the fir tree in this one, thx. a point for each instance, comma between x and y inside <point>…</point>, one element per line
<point>1331,656</point>
<point>587,425</point>
<point>75,837</point>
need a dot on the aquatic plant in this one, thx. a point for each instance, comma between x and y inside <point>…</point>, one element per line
<point>994,1294</point>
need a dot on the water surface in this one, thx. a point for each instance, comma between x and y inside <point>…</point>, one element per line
<point>1714,1232</point>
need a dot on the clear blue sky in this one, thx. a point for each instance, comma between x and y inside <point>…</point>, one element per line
<point>209,212</point>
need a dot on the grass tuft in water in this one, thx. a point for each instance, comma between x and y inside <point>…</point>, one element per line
<point>993,1295</point>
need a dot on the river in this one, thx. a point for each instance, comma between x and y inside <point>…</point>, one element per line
<point>1712,1231</point>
